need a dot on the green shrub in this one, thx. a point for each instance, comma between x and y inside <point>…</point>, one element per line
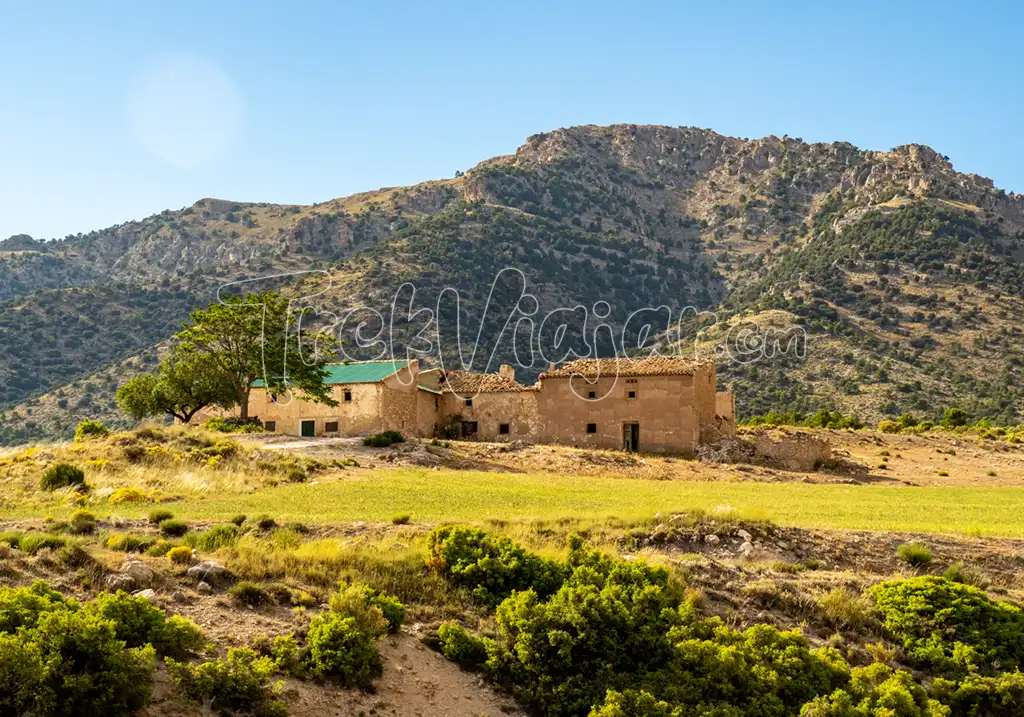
<point>212,540</point>
<point>238,520</point>
<point>951,627</point>
<point>264,522</point>
<point>128,543</point>
<point>954,418</point>
<point>369,606</point>
<point>339,649</point>
<point>889,427</point>
<point>377,440</point>
<point>845,608</point>
<point>459,645</point>
<point>631,703</point>
<point>998,696</point>
<point>877,691</point>
<point>62,475</point>
<point>22,607</point>
<point>915,554</point>
<point>231,425</point>
<point>249,593</point>
<point>181,555</point>
<point>492,567</point>
<point>160,548</point>
<point>969,575</point>
<point>285,651</point>
<point>23,689</point>
<point>32,543</point>
<point>159,515</point>
<point>88,430</point>
<point>239,682</point>
<point>88,671</point>
<point>138,622</point>
<point>82,522</point>
<point>172,528</point>
<point>401,519</point>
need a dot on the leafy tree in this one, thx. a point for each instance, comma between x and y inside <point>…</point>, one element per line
<point>183,386</point>
<point>255,337</point>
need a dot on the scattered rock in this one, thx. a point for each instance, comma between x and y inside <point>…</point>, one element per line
<point>148,593</point>
<point>744,534</point>
<point>711,539</point>
<point>209,571</point>
<point>141,574</point>
<point>204,588</point>
<point>120,581</point>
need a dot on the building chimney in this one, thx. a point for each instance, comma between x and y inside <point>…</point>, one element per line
<point>506,371</point>
<point>552,367</point>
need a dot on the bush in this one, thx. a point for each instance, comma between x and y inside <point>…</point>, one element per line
<point>951,627</point>
<point>339,649</point>
<point>460,646</point>
<point>401,519</point>
<point>88,430</point>
<point>877,691</point>
<point>23,689</point>
<point>889,427</point>
<point>172,528</point>
<point>128,543</point>
<point>968,575</point>
<point>239,682</point>
<point>212,540</point>
<point>181,555</point>
<point>915,554</point>
<point>160,548</point>
<point>953,418</point>
<point>999,696</point>
<point>378,440</point>
<point>264,522</point>
<point>127,495</point>
<point>156,517</point>
<point>138,622</point>
<point>845,608</point>
<point>232,425</point>
<point>492,567</point>
<point>82,522</point>
<point>62,475</point>
<point>238,520</point>
<point>32,543</point>
<point>249,593</point>
<point>56,659</point>
<point>375,612</point>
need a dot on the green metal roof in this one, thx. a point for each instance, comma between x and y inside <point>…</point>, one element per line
<point>363,372</point>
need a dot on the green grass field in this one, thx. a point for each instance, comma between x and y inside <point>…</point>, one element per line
<point>438,496</point>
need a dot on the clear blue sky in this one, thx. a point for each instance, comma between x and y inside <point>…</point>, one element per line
<point>111,111</point>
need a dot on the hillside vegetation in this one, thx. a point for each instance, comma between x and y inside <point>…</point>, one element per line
<point>905,274</point>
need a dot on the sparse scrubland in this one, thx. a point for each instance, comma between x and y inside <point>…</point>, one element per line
<point>273,582</point>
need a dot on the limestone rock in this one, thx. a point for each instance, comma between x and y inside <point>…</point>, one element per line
<point>148,593</point>
<point>209,571</point>
<point>139,571</point>
<point>711,539</point>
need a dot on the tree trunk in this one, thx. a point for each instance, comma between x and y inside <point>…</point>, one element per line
<point>243,405</point>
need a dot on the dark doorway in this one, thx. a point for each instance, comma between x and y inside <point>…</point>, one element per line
<point>308,429</point>
<point>469,428</point>
<point>631,437</point>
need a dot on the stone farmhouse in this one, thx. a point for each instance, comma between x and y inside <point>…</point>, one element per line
<point>658,404</point>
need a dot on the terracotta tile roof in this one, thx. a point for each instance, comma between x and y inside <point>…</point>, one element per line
<point>467,383</point>
<point>610,367</point>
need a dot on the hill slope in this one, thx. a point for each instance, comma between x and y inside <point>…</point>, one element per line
<point>905,274</point>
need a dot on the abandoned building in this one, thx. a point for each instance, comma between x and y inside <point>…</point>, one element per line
<point>658,404</point>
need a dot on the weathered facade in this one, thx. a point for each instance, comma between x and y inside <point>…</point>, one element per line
<point>659,404</point>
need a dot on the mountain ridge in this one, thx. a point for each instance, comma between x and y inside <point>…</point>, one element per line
<point>636,215</point>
